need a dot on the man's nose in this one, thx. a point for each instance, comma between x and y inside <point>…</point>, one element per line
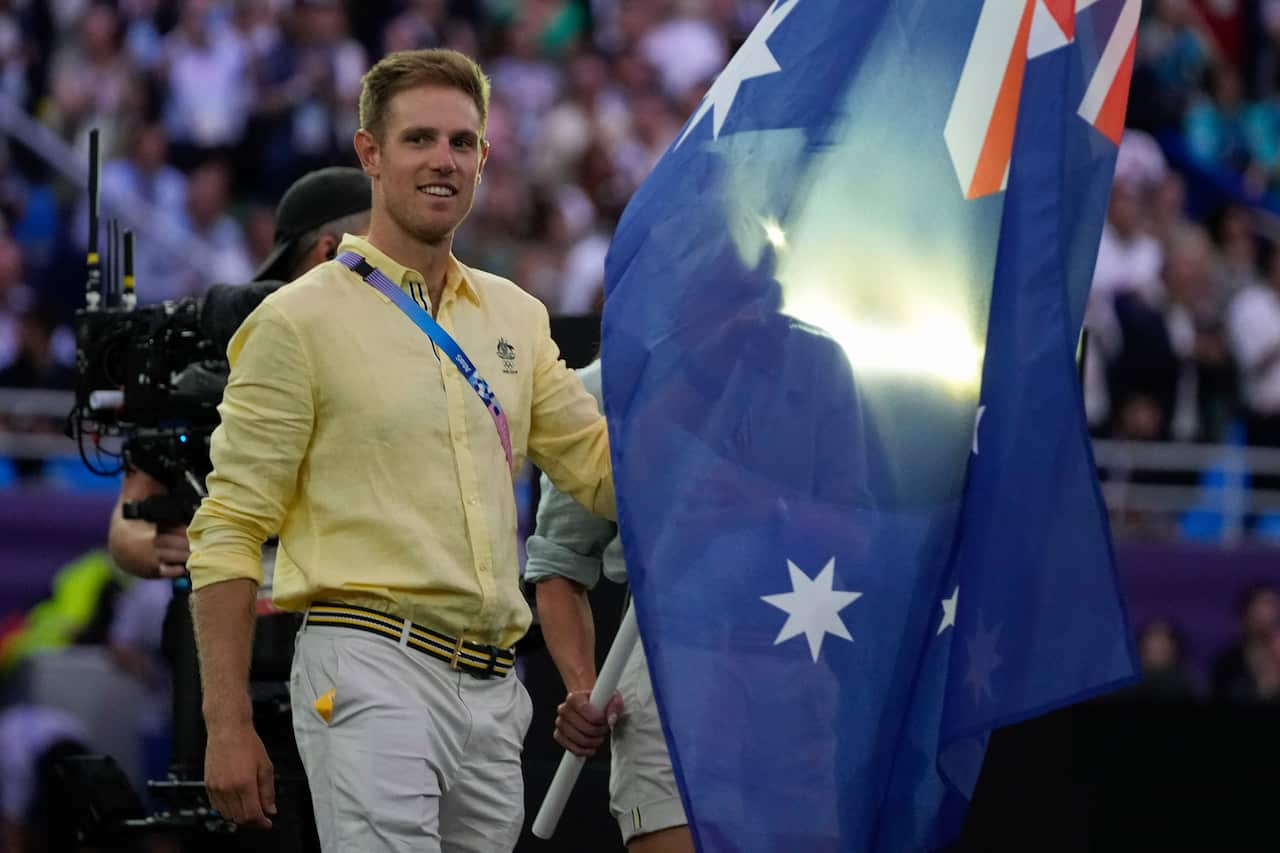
<point>441,159</point>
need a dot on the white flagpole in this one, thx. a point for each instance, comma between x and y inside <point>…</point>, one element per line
<point>544,825</point>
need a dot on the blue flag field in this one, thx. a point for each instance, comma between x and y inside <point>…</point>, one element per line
<point>855,487</point>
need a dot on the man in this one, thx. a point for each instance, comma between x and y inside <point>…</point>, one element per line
<point>388,475</point>
<point>569,552</point>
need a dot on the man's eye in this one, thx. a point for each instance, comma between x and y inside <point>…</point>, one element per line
<point>464,143</point>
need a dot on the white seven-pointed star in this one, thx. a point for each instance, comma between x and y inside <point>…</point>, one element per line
<point>812,607</point>
<point>753,59</point>
<point>977,422</point>
<point>949,611</point>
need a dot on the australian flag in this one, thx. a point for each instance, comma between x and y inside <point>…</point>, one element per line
<point>855,487</point>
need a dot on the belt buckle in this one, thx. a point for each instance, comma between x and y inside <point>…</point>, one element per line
<point>488,671</point>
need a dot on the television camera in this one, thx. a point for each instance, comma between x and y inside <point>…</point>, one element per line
<point>149,378</point>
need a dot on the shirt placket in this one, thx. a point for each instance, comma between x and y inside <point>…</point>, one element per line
<point>457,396</point>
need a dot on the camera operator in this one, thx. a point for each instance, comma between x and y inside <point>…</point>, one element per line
<point>312,217</point>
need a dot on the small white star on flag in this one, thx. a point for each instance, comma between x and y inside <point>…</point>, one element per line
<point>812,607</point>
<point>949,611</point>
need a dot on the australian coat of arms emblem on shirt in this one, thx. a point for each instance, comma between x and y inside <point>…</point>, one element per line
<point>507,353</point>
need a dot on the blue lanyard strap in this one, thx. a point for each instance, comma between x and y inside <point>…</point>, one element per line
<point>424,321</point>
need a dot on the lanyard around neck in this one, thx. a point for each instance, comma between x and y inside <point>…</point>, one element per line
<point>424,321</point>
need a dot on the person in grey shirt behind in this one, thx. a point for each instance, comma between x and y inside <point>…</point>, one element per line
<point>567,555</point>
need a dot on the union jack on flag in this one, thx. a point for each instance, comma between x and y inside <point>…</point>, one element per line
<point>980,126</point>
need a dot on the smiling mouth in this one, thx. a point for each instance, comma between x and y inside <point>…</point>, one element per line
<point>438,191</point>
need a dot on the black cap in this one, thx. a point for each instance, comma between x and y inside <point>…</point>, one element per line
<point>315,199</point>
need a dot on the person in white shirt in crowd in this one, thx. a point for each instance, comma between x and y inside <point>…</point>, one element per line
<point>1253,321</point>
<point>205,66</point>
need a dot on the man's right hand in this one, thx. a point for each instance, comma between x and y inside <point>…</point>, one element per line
<point>239,776</point>
<point>582,727</point>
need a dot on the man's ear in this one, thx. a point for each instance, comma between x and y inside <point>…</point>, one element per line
<point>369,152</point>
<point>484,158</point>
<point>329,244</point>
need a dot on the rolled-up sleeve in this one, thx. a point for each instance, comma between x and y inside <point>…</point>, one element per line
<point>568,541</point>
<point>568,438</point>
<point>267,413</point>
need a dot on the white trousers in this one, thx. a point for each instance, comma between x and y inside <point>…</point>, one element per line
<point>403,753</point>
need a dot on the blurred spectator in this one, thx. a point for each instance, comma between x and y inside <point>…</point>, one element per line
<point>1129,260</point>
<point>530,83</point>
<point>1233,231</point>
<point>203,62</point>
<point>421,25</point>
<point>254,22</point>
<point>1215,124</point>
<point>593,109</point>
<point>1140,161</point>
<point>1267,62</point>
<point>1224,131</point>
<point>15,58</point>
<point>687,49</point>
<point>1168,211</point>
<point>309,83</point>
<point>142,33</point>
<point>1172,376</point>
<point>35,364</point>
<point>1173,44</point>
<point>206,216</point>
<point>654,125</point>
<point>1237,669</point>
<point>1254,324</point>
<point>15,297</point>
<point>1164,670</point>
<point>259,232</point>
<point>93,83</point>
<point>1194,320</point>
<point>1129,263</point>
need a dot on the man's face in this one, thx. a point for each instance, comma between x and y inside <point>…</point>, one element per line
<point>428,160</point>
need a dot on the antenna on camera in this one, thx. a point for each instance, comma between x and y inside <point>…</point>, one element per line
<point>111,281</point>
<point>130,298</point>
<point>93,284</point>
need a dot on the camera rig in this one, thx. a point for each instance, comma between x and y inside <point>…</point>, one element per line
<point>148,379</point>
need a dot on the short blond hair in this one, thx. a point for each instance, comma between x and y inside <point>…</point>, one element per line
<point>407,69</point>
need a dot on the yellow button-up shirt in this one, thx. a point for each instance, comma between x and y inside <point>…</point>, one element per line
<point>344,430</point>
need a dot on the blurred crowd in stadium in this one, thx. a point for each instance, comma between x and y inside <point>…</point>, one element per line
<point>210,108</point>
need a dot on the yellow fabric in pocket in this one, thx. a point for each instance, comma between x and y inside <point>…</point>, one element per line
<point>324,705</point>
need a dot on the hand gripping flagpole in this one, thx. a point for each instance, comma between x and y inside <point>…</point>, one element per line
<point>544,825</point>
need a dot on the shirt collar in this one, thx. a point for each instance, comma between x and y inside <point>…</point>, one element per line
<point>456,278</point>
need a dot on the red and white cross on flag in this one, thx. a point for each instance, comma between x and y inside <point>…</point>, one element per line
<point>980,126</point>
